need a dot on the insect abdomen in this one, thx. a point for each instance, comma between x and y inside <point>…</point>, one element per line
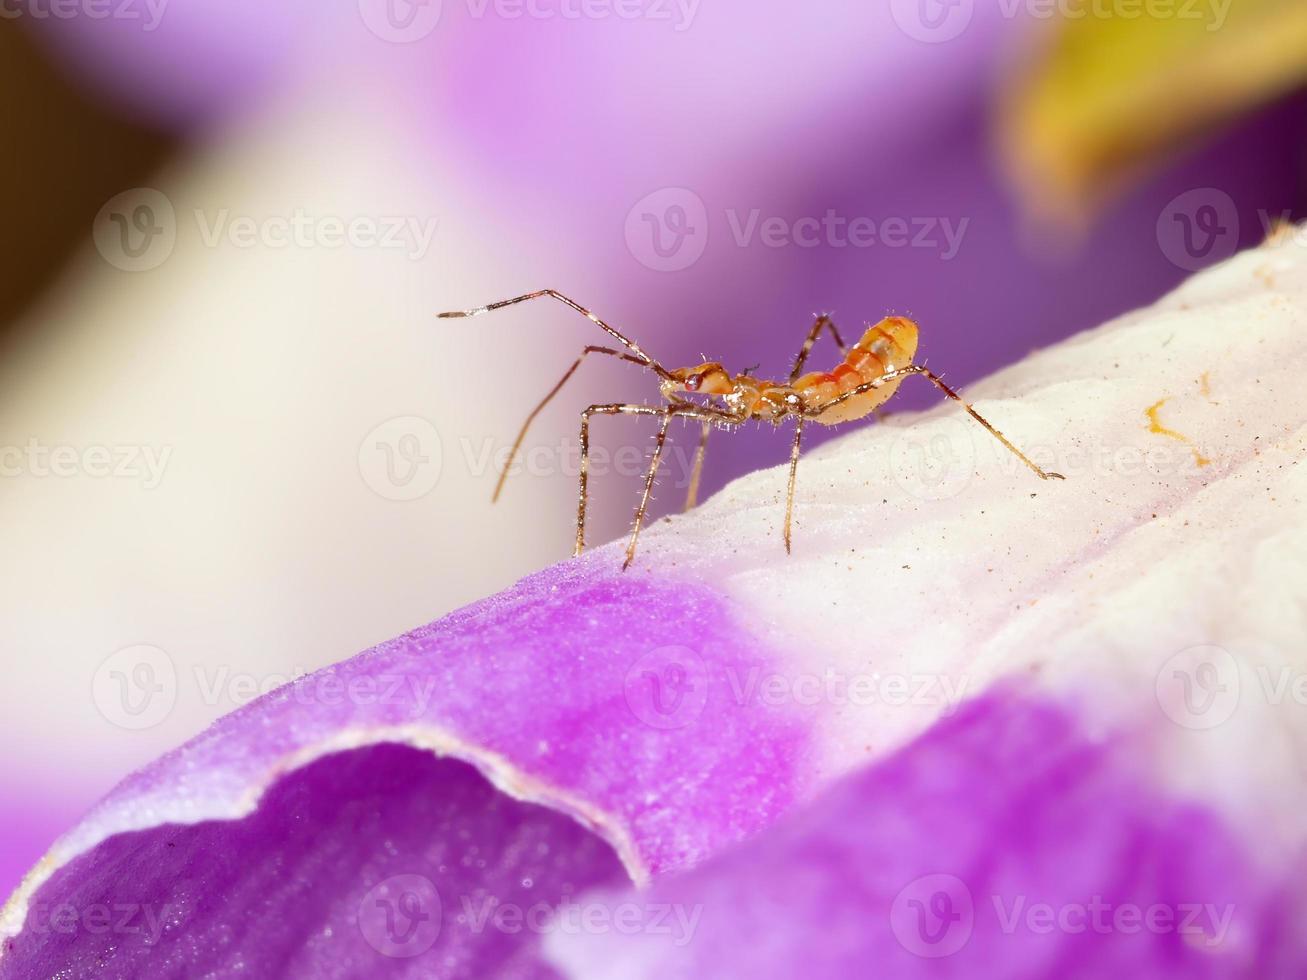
<point>885,347</point>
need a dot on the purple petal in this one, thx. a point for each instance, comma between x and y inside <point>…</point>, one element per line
<point>575,657</point>
<point>591,715</point>
<point>1010,841</point>
<point>377,861</point>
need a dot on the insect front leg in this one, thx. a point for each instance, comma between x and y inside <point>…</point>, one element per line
<point>585,457</point>
<point>708,416</point>
<point>607,328</point>
<point>659,441</point>
<point>794,470</point>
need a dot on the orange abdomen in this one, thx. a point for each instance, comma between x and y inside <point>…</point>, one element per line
<point>888,346</point>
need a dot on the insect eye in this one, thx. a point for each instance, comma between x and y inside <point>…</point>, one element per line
<point>693,382</point>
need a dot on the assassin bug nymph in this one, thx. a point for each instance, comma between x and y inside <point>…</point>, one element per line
<point>871,372</point>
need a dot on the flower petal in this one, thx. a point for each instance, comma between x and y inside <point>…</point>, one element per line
<point>561,692</point>
<point>377,861</point>
<point>1010,841</point>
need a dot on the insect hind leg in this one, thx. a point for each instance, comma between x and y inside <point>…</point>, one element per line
<point>938,382</point>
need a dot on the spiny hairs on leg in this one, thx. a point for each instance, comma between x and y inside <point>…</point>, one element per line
<point>613,332</point>
<point>794,470</point>
<point>938,382</point>
<point>667,413</point>
<point>521,435</point>
<point>636,356</point>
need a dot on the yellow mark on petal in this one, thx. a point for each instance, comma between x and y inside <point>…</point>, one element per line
<point>1205,387</point>
<point>1155,425</point>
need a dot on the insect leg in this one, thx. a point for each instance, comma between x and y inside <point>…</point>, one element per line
<point>659,442</point>
<point>692,497</point>
<point>938,383</point>
<point>630,345</point>
<point>585,456</point>
<point>794,469</point>
<point>813,334</point>
<point>521,435</point>
<point>685,409</point>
